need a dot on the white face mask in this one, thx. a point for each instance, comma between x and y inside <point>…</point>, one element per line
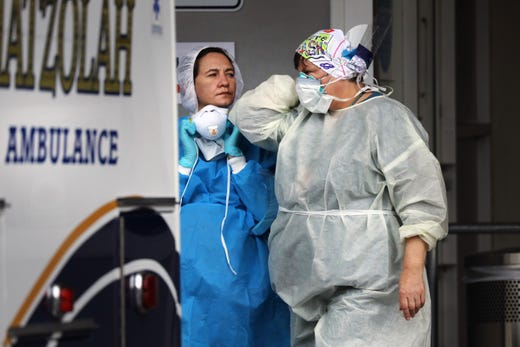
<point>310,93</point>
<point>210,121</point>
<point>312,96</point>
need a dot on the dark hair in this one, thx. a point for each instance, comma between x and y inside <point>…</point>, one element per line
<point>203,53</point>
<point>296,60</point>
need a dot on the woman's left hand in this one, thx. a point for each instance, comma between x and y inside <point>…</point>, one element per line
<point>411,282</point>
<point>231,140</point>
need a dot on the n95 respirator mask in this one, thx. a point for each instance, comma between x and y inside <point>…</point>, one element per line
<point>210,122</point>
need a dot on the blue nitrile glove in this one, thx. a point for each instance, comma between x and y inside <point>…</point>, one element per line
<point>186,135</point>
<point>231,140</point>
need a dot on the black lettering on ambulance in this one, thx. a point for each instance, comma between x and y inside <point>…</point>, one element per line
<point>61,145</point>
<point>82,71</point>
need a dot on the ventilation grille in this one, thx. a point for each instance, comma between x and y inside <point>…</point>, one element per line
<point>494,301</point>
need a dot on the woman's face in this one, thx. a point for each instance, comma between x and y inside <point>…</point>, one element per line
<point>311,69</point>
<point>338,88</point>
<point>215,82</point>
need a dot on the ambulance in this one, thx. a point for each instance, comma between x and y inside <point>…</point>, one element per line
<point>89,222</point>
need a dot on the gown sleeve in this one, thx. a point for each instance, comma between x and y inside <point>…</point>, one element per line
<point>264,114</point>
<point>413,174</point>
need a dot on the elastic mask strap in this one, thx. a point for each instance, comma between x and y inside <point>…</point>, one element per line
<point>222,240</point>
<point>373,85</point>
<point>364,89</point>
<point>323,86</point>
<point>359,92</point>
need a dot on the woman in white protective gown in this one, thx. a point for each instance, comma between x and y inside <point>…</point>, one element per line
<point>361,198</point>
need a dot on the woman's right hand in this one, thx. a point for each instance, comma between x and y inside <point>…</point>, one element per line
<point>186,134</point>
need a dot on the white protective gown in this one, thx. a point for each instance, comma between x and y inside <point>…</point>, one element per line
<point>351,185</point>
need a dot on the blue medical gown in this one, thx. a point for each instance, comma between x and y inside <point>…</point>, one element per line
<point>220,308</point>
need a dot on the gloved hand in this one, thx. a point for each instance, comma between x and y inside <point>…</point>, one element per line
<point>281,90</point>
<point>186,135</point>
<point>231,141</point>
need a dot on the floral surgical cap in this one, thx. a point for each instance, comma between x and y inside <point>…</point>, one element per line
<point>339,55</point>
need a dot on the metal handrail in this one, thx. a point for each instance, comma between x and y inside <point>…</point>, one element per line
<point>484,228</point>
<point>46,330</point>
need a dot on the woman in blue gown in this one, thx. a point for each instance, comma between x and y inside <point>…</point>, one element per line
<point>227,206</point>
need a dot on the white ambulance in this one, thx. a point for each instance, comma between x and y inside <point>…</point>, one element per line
<point>89,236</point>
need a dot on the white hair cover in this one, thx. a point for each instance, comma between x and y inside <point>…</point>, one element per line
<point>186,83</point>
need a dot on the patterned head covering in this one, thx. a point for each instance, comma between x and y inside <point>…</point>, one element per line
<point>342,56</point>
